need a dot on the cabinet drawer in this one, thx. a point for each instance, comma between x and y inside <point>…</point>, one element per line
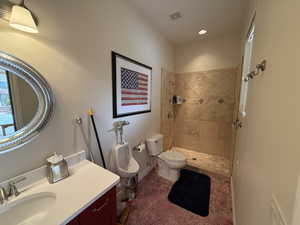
<point>101,212</point>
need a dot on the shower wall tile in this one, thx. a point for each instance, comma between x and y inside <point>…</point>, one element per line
<point>208,130</point>
<point>203,122</point>
<point>187,141</point>
<point>224,131</point>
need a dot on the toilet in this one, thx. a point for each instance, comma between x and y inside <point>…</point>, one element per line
<point>170,162</point>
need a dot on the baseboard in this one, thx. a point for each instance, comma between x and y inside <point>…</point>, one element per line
<point>277,215</point>
<point>145,172</point>
<point>233,202</point>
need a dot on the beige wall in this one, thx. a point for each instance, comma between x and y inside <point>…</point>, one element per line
<point>73,52</point>
<point>268,146</point>
<point>208,54</point>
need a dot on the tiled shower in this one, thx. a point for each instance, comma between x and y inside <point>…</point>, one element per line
<point>201,127</point>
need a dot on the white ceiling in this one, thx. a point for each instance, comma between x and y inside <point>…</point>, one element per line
<point>217,16</point>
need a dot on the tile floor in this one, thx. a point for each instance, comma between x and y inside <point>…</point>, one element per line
<point>151,207</point>
<point>210,163</point>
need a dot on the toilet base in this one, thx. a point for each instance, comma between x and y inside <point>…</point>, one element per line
<point>166,172</point>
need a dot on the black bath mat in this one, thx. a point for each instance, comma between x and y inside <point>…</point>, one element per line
<point>192,192</point>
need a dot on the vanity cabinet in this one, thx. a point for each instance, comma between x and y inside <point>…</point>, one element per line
<point>74,222</point>
<point>101,212</point>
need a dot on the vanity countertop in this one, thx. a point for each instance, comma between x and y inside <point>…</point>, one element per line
<point>87,182</point>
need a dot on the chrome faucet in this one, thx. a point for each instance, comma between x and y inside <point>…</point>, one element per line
<point>12,188</point>
<point>3,195</point>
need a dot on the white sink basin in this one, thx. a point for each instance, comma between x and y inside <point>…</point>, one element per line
<point>41,203</point>
<point>30,210</point>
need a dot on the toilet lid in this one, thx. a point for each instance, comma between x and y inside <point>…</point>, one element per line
<point>173,156</point>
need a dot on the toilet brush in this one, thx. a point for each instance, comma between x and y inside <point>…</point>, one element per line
<point>91,114</point>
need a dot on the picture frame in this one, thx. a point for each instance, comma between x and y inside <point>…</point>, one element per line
<point>132,86</point>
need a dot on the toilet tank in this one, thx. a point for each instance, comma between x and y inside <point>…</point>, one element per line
<point>155,144</point>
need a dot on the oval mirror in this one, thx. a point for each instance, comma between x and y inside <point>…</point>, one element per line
<point>26,102</point>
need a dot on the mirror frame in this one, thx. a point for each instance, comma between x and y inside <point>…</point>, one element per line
<point>45,102</point>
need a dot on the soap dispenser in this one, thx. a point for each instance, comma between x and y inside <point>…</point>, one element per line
<point>57,168</point>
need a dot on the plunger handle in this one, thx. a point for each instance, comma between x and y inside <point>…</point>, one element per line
<point>91,114</point>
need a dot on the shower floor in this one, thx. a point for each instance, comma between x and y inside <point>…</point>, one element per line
<point>205,162</point>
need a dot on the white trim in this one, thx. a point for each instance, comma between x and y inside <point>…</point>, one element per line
<point>151,164</point>
<point>277,215</point>
<point>233,202</point>
<point>145,172</point>
<point>296,213</point>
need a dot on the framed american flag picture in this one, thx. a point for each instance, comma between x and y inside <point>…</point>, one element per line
<point>131,86</point>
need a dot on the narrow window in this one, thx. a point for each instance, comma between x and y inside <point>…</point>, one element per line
<point>7,122</point>
<point>246,70</point>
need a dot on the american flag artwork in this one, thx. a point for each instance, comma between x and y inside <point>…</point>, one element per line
<point>132,83</point>
<point>134,88</point>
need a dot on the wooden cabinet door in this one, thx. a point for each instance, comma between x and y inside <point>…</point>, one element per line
<point>101,212</point>
<point>74,221</point>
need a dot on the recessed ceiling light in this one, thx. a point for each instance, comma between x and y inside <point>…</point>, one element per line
<point>202,31</point>
<point>175,16</point>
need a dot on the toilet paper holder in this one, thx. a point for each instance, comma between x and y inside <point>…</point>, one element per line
<point>140,147</point>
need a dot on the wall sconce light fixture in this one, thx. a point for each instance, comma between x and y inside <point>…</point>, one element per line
<point>22,19</point>
<point>18,16</point>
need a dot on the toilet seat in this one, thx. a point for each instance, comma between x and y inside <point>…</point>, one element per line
<point>173,156</point>
<point>173,159</point>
